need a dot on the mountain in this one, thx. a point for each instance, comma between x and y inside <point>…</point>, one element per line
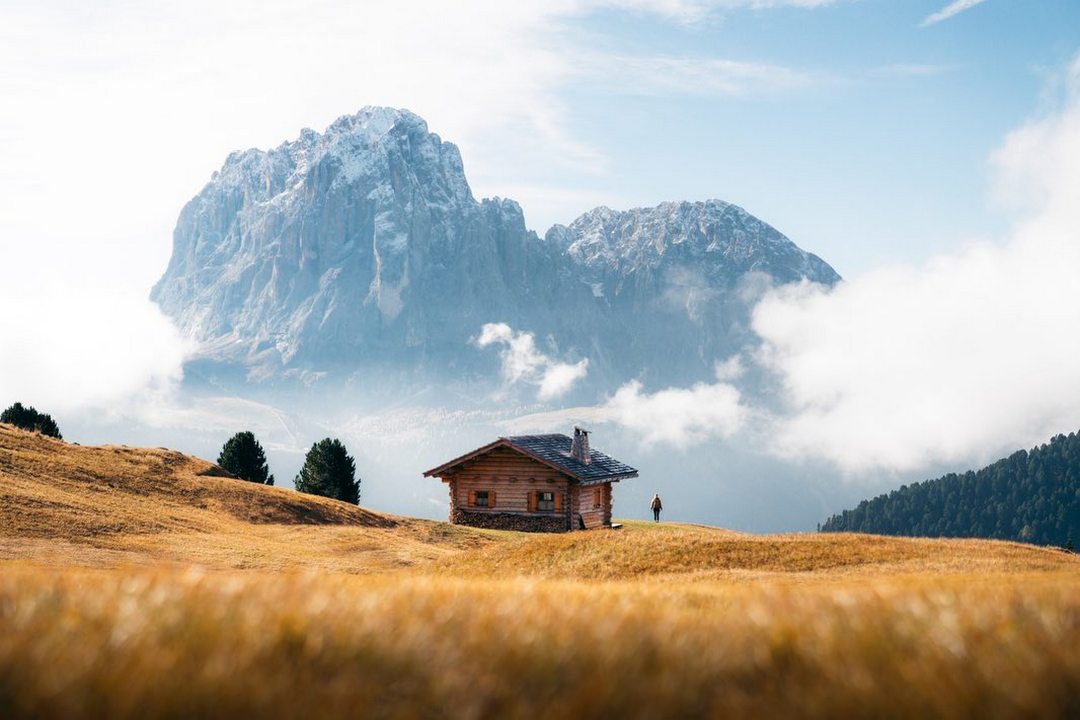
<point>676,281</point>
<point>362,249</point>
<point>1032,496</point>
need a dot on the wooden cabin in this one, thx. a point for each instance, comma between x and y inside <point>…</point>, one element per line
<point>536,483</point>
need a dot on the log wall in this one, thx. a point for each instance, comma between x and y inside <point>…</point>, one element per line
<point>608,502</point>
<point>512,478</point>
<point>593,505</point>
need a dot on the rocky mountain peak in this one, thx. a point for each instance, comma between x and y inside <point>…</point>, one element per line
<point>714,236</point>
<point>363,246</point>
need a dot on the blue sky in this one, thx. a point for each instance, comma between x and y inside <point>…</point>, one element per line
<point>877,148</point>
<point>849,125</point>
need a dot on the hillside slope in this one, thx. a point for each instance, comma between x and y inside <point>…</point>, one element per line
<point>645,553</point>
<point>104,506</point>
<point>1032,496</point>
<point>64,504</point>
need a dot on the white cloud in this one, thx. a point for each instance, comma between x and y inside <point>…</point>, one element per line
<point>558,378</point>
<point>65,351</point>
<point>696,76</point>
<point>682,416</point>
<point>556,420</point>
<point>673,416</point>
<point>523,362</point>
<point>954,8</point>
<point>692,11</point>
<point>730,369</point>
<point>960,359</point>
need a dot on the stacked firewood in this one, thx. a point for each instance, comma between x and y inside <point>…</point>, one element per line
<point>510,521</point>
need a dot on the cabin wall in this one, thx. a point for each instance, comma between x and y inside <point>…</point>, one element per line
<point>608,502</point>
<point>513,479</point>
<point>593,504</point>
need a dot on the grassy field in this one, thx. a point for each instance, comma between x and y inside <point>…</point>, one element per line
<point>136,583</point>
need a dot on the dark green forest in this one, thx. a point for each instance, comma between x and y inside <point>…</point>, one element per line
<point>1031,496</point>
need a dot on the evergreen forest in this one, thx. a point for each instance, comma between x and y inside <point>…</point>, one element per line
<point>1031,496</point>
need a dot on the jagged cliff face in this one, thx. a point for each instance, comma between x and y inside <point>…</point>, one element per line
<point>363,247</point>
<point>719,241</point>
<point>360,244</point>
<point>679,279</point>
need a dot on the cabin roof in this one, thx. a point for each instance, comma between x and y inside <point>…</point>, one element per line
<point>554,451</point>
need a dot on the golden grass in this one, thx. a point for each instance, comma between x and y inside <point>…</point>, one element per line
<point>185,643</point>
<point>116,505</point>
<point>645,552</point>
<point>134,584</point>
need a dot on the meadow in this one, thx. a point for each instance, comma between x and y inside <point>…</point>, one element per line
<point>138,583</point>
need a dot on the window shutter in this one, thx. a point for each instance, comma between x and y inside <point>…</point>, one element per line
<point>558,501</point>
<point>491,498</point>
<point>532,501</point>
<point>472,498</point>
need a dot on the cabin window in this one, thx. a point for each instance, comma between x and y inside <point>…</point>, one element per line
<point>481,499</point>
<point>597,498</point>
<point>545,501</point>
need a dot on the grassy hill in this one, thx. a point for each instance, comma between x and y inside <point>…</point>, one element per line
<point>116,505</point>
<point>140,583</point>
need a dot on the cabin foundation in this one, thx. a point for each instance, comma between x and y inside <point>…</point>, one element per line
<point>511,521</point>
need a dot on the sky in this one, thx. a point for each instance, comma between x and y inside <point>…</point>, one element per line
<point>854,126</point>
<point>926,149</point>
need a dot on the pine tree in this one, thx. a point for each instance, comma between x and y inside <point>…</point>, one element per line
<point>243,456</point>
<point>28,418</point>
<point>329,471</point>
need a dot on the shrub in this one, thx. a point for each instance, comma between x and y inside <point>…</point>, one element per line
<point>28,418</point>
<point>329,471</point>
<point>243,456</point>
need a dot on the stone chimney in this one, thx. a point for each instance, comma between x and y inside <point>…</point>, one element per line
<point>579,448</point>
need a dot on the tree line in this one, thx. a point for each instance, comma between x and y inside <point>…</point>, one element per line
<point>1031,496</point>
<point>30,419</point>
<point>328,468</point>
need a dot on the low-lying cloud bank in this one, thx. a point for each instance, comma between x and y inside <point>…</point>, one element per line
<point>66,350</point>
<point>965,357</point>
<point>960,359</point>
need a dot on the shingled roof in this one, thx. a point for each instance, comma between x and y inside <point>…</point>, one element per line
<point>553,450</point>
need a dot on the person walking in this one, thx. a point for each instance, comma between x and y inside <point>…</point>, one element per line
<point>656,506</point>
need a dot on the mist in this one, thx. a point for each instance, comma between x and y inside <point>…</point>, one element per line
<point>68,350</point>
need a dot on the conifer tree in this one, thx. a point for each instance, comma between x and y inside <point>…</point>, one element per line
<point>243,456</point>
<point>329,471</point>
<point>28,418</point>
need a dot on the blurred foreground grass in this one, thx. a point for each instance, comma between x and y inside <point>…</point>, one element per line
<point>185,643</point>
